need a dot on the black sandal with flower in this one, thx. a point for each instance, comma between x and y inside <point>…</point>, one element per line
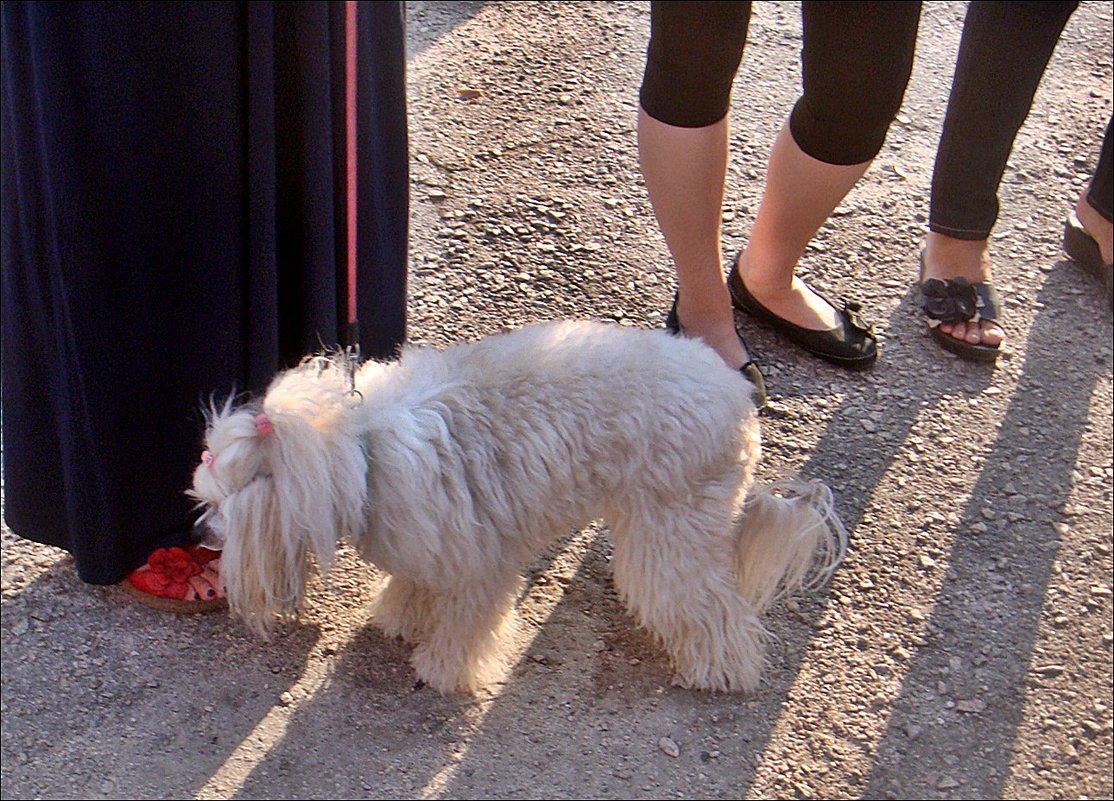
<point>956,300</point>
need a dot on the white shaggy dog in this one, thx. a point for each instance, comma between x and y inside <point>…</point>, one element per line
<point>451,470</point>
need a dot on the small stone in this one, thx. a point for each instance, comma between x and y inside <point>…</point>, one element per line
<point>1094,728</point>
<point>669,747</point>
<point>1050,670</point>
<point>286,699</point>
<point>1071,755</point>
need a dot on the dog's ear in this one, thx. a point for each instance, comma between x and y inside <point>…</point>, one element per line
<point>319,481</point>
<point>263,561</point>
<point>268,466</point>
<point>789,537</point>
<point>284,488</point>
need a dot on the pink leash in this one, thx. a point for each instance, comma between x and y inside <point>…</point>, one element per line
<point>350,142</point>
<point>352,329</point>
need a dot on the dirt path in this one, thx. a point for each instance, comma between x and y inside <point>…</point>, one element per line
<point>963,650</point>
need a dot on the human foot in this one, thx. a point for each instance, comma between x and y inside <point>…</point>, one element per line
<point>946,259</point>
<point>835,334</point>
<point>1086,249</point>
<point>1097,227</point>
<point>179,580</point>
<point>793,301</point>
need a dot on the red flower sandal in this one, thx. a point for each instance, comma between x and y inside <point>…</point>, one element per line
<point>180,580</point>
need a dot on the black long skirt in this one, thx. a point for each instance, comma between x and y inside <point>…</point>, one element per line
<point>174,227</point>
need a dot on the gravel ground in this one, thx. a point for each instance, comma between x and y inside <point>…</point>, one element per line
<point>962,651</point>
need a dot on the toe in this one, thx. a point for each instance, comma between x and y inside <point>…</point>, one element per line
<point>210,573</point>
<point>992,334</point>
<point>201,590</point>
<point>957,330</point>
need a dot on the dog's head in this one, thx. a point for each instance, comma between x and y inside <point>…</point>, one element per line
<point>240,437</point>
<point>275,484</point>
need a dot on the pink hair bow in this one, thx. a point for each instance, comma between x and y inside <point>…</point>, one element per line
<point>264,425</point>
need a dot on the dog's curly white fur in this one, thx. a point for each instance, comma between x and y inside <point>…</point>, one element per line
<point>457,467</point>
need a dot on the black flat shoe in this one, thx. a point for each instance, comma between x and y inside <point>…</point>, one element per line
<point>749,370</point>
<point>851,344</point>
<point>955,300</point>
<point>1084,251</point>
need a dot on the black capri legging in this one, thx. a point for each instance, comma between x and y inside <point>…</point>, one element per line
<point>855,64</point>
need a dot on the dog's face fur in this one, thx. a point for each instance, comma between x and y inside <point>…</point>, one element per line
<point>454,469</point>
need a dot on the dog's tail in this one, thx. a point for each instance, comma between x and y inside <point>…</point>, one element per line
<point>789,537</point>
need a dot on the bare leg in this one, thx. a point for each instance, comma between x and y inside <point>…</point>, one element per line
<point>788,218</point>
<point>685,170</point>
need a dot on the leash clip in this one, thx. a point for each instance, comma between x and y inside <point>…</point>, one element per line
<point>351,364</point>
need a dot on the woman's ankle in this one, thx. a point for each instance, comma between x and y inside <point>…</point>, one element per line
<point>764,277</point>
<point>716,328</point>
<point>948,257</point>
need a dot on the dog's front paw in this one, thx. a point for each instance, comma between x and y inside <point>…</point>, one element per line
<point>453,672</point>
<point>404,609</point>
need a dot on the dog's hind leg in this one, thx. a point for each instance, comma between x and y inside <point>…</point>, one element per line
<point>673,567</point>
<point>404,609</point>
<point>471,626</point>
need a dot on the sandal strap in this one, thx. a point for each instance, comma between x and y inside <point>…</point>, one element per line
<point>955,300</point>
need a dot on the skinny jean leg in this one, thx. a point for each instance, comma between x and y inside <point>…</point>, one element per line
<point>1003,53</point>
